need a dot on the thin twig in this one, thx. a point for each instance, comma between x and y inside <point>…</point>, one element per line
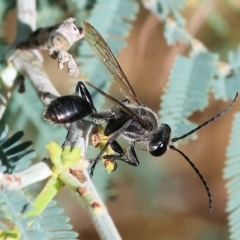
<point>102,222</point>
<point>33,174</point>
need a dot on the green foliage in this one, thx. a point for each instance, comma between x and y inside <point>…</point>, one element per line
<point>174,28</point>
<point>49,14</point>
<point>13,155</point>
<point>174,33</point>
<point>172,6</point>
<point>227,82</point>
<point>28,111</point>
<point>232,174</point>
<point>234,60</point>
<point>187,90</point>
<point>51,224</point>
<point>13,206</point>
<point>83,8</point>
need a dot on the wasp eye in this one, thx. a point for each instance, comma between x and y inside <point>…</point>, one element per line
<point>159,142</point>
<point>159,150</point>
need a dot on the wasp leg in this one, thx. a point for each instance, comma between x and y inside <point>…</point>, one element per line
<point>104,115</point>
<point>81,88</point>
<point>110,141</point>
<point>131,159</point>
<point>132,156</point>
<point>116,148</point>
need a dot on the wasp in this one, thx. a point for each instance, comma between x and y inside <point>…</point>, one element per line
<point>129,118</point>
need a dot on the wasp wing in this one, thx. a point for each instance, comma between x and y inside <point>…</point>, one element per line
<point>122,106</point>
<point>100,47</point>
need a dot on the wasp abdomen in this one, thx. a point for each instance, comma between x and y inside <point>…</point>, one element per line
<point>67,109</point>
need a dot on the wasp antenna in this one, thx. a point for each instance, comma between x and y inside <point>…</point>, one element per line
<point>200,176</point>
<point>208,121</point>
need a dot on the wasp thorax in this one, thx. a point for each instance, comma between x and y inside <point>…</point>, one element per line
<point>160,139</point>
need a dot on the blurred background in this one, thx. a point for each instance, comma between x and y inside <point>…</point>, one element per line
<point>163,198</point>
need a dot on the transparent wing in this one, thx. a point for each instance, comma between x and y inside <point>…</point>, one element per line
<point>127,110</point>
<point>100,47</point>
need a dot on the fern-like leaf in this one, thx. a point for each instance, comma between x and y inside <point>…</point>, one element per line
<point>232,174</point>
<point>234,60</point>
<point>13,206</point>
<point>52,224</point>
<point>174,33</point>
<point>227,84</point>
<point>83,8</point>
<point>12,154</point>
<point>174,28</point>
<point>48,14</point>
<point>2,169</point>
<point>172,6</point>
<point>28,111</point>
<point>187,92</point>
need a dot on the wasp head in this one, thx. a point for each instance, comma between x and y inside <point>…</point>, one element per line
<point>159,142</point>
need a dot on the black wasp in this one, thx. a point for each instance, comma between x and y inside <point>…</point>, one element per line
<point>129,118</point>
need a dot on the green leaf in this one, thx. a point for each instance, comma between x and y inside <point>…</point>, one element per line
<point>166,7</point>
<point>82,8</point>
<point>174,33</point>
<point>227,83</point>
<point>19,148</point>
<point>25,111</point>
<point>2,167</point>
<point>13,139</point>
<point>187,90</point>
<point>48,14</point>
<point>22,161</point>
<point>3,133</point>
<point>13,206</point>
<point>9,147</point>
<point>52,224</point>
<point>234,60</point>
<point>232,174</point>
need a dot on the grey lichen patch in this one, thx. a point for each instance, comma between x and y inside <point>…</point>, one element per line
<point>57,40</point>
